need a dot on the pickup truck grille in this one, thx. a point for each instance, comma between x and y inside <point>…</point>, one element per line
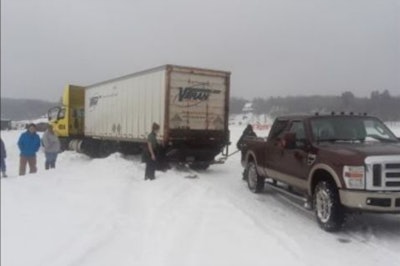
<point>383,173</point>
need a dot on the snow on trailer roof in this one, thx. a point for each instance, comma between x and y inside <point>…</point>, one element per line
<point>159,68</point>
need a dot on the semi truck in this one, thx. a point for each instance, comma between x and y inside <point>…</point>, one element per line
<point>191,105</point>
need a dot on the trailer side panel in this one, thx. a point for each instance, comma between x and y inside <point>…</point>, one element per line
<point>124,109</point>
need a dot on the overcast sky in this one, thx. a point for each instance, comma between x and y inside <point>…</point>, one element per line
<point>272,47</point>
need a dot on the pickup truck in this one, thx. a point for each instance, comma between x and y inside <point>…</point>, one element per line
<point>335,163</point>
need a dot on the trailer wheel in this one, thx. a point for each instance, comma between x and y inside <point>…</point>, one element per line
<point>328,209</point>
<point>255,182</point>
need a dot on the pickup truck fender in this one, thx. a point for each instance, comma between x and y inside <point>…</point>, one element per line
<point>326,168</point>
<point>251,154</point>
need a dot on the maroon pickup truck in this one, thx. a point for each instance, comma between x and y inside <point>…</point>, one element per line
<point>336,163</point>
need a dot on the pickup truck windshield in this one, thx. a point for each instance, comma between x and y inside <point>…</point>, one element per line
<point>350,129</point>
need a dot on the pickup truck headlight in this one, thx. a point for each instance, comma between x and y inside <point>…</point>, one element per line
<point>354,177</point>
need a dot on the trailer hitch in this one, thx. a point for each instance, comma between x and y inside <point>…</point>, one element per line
<point>224,157</point>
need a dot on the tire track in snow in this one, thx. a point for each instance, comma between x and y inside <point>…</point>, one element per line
<point>256,213</point>
<point>242,204</point>
<point>96,232</point>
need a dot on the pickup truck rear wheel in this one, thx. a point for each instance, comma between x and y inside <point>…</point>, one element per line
<point>254,180</point>
<point>328,210</point>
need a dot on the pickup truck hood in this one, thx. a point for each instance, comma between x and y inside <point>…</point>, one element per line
<point>355,153</point>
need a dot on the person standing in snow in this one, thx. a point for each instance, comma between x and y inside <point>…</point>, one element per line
<point>3,156</point>
<point>152,150</point>
<point>247,132</point>
<point>29,144</point>
<point>51,145</point>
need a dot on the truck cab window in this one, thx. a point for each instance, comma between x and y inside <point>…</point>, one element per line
<point>61,114</point>
<point>278,129</point>
<point>53,113</point>
<point>297,127</point>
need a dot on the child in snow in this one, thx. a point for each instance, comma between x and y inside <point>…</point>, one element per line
<point>3,159</point>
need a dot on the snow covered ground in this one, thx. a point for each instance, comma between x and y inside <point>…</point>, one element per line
<point>102,212</point>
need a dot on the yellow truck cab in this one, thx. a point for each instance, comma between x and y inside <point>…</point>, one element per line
<point>68,119</point>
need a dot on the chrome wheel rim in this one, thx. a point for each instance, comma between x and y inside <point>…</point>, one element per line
<point>323,205</point>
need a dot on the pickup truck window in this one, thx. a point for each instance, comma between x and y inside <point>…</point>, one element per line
<point>297,127</point>
<point>277,129</point>
<point>350,129</point>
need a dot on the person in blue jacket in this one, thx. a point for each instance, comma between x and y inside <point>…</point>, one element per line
<point>3,159</point>
<point>29,144</point>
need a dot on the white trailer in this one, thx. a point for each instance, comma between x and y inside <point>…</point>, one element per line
<point>190,104</point>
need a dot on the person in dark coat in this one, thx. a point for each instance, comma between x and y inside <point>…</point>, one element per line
<point>152,151</point>
<point>29,144</point>
<point>247,132</point>
<point>3,156</point>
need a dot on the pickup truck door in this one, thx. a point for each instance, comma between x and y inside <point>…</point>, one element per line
<point>273,149</point>
<point>291,163</point>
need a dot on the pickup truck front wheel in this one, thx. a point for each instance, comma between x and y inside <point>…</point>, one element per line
<point>254,180</point>
<point>328,210</point>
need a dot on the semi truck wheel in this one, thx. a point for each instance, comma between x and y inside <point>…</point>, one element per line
<point>328,209</point>
<point>255,182</point>
<point>64,143</point>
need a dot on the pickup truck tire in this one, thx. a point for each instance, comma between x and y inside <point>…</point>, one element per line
<point>328,210</point>
<point>255,182</point>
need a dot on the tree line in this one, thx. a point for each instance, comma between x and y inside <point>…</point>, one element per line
<point>380,104</point>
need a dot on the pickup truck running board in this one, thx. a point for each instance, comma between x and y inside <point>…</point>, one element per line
<point>306,201</point>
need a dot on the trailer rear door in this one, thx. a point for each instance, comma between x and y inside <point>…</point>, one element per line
<point>198,99</point>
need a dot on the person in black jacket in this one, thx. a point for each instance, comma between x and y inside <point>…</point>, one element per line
<point>152,152</point>
<point>3,156</point>
<point>247,132</point>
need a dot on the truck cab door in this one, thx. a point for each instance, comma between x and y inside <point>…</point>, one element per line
<point>273,148</point>
<point>287,158</point>
<point>294,155</point>
<point>58,119</point>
